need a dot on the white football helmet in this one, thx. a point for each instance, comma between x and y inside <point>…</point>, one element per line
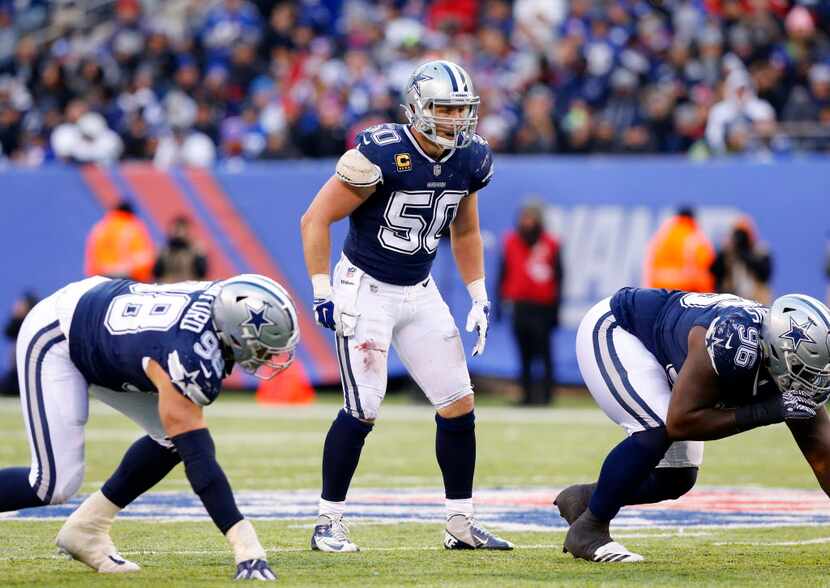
<point>442,83</point>
<point>796,343</point>
<point>256,319</point>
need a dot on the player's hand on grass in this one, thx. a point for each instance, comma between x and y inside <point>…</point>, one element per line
<point>798,405</point>
<point>254,569</point>
<point>477,319</point>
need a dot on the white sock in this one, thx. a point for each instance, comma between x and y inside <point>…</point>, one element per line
<point>462,506</point>
<point>333,510</point>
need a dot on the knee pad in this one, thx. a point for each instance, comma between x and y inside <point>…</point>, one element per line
<point>676,481</point>
<point>67,484</point>
<point>365,405</point>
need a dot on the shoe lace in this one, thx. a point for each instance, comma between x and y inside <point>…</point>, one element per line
<point>340,530</point>
<point>477,529</point>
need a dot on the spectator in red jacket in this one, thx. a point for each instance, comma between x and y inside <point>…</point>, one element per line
<point>530,281</point>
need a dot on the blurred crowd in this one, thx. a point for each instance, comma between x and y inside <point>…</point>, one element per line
<point>194,82</point>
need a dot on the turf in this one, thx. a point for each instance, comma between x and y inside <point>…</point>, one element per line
<point>279,449</point>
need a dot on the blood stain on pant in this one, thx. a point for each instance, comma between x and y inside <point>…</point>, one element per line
<point>372,353</point>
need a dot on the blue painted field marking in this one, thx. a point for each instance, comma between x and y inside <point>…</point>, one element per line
<point>525,509</point>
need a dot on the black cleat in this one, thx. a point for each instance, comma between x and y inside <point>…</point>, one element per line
<point>573,501</point>
<point>589,539</point>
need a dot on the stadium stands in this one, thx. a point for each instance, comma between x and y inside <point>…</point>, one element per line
<point>195,82</point>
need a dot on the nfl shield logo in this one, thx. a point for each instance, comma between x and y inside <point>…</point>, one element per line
<point>436,169</point>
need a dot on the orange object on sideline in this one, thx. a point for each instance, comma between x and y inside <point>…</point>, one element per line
<point>119,245</point>
<point>679,257</point>
<point>290,387</point>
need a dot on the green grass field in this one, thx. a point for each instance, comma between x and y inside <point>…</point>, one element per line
<point>279,449</point>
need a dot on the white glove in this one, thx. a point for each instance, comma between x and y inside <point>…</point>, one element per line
<point>477,318</point>
<point>799,405</point>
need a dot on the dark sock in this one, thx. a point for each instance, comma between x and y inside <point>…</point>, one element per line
<point>627,467</point>
<point>144,465</point>
<point>664,484</point>
<point>341,453</point>
<point>455,448</point>
<point>15,491</point>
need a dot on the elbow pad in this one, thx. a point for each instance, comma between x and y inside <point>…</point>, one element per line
<point>355,169</point>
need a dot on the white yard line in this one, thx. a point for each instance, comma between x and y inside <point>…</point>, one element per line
<point>816,541</point>
<point>555,546</point>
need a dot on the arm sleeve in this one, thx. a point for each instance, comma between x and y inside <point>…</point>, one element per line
<point>206,477</point>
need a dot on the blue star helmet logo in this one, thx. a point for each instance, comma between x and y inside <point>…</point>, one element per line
<point>257,320</point>
<point>189,378</point>
<point>797,334</point>
<point>416,81</point>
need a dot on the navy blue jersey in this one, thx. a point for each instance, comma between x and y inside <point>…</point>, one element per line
<point>119,325</point>
<point>394,235</point>
<point>662,319</point>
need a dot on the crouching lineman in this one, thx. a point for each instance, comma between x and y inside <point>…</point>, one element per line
<point>157,354</point>
<point>403,188</point>
<point>675,369</point>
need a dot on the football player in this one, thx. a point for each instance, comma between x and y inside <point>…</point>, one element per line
<point>403,188</point>
<point>675,369</point>
<point>157,354</point>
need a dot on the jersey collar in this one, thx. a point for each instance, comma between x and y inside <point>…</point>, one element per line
<point>417,146</point>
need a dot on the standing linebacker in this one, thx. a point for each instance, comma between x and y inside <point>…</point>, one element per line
<point>403,188</point>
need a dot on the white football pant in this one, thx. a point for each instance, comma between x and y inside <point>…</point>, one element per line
<point>54,397</point>
<point>414,320</point>
<point>627,381</point>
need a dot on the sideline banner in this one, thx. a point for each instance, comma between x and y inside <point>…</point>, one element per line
<point>603,210</point>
